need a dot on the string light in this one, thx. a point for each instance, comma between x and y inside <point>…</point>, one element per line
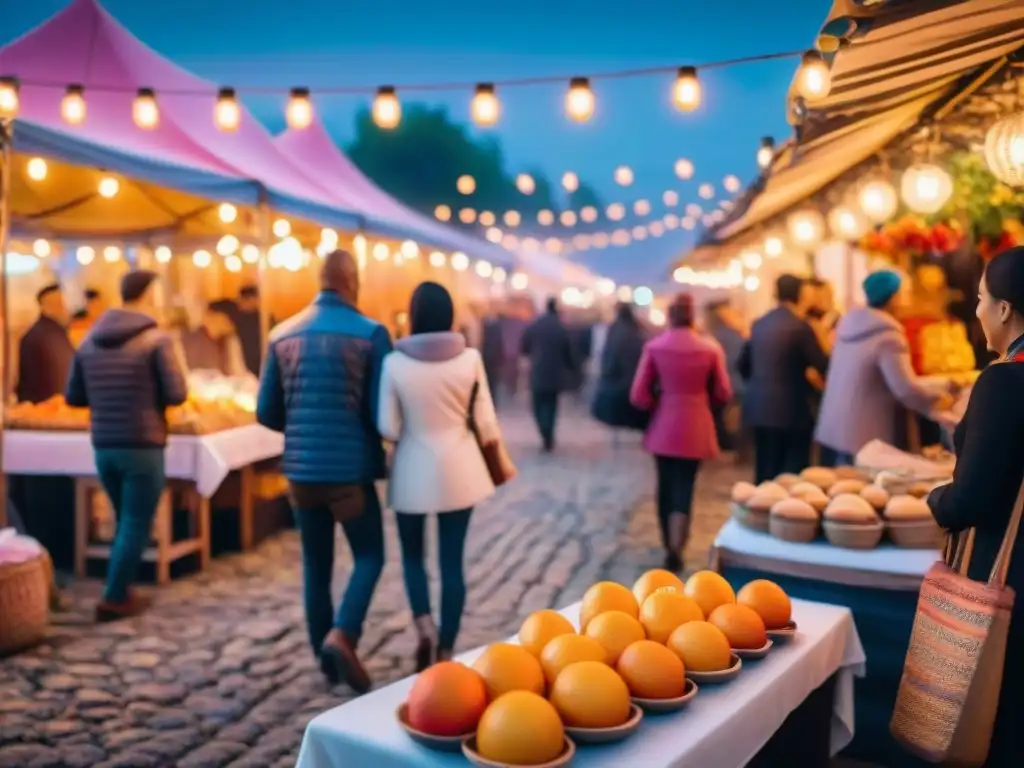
<point>298,114</point>
<point>813,78</point>
<point>493,234</point>
<point>380,251</point>
<point>751,283</point>
<point>499,275</point>
<point>707,191</point>
<point>579,101</point>
<point>467,215</point>
<point>485,107</point>
<point>623,175</point>
<point>656,229</point>
<point>387,109</point>
<point>688,223</point>
<point>486,219</point>
<point>227,213</point>
<point>684,169</point>
<point>751,259</point>
<point>512,218</point>
<point>111,254</point>
<point>202,259</point>
<point>570,181</point>
<point>525,183</point>
<point>510,242</point>
<point>615,211</point>
<point>732,184</point>
<point>568,218</point>
<point>845,223</point>
<point>437,259</point>
<point>806,227</point>
<point>226,113</point>
<point>588,214</point>
<point>10,98</point>
<point>85,254</point>
<point>460,261</point>
<point>773,246</point>
<point>670,198</point>
<point>686,92</point>
<point>250,254</point>
<point>145,111</point>
<point>484,268</point>
<point>693,210</point>
<point>233,263</point>
<point>520,281</point>
<point>925,188</point>
<point>108,187</point>
<point>72,106</point>
<point>466,184</point>
<point>162,254</point>
<point>227,245</point>
<point>443,213</point>
<point>766,153</point>
<point>328,238</point>
<point>545,217</point>
<point>41,248</point>
<point>642,207</point>
<point>281,228</point>
<point>37,169</point>
<point>671,221</point>
<point>877,200</point>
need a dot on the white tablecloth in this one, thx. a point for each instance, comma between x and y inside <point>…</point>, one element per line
<point>724,727</point>
<point>204,459</point>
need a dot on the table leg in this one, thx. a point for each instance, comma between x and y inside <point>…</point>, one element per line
<point>203,513</point>
<point>163,538</point>
<point>246,508</point>
<point>83,494</point>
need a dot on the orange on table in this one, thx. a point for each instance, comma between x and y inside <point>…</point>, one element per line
<point>568,649</point>
<point>742,625</point>
<point>662,612</point>
<point>654,579</point>
<point>769,600</point>
<point>615,631</point>
<point>542,627</point>
<point>606,596</point>
<point>505,667</point>
<point>520,728</point>
<point>652,671</point>
<point>446,699</point>
<point>710,590</point>
<point>589,694</point>
<point>702,646</point>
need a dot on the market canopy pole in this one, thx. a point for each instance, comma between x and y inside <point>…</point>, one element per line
<point>6,138</point>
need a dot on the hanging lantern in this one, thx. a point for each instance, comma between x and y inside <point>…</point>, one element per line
<point>227,115</point>
<point>1004,150</point>
<point>766,153</point>
<point>845,223</point>
<point>387,110</point>
<point>877,200</point>
<point>298,114</point>
<point>686,91</point>
<point>806,227</point>
<point>72,106</point>
<point>925,188</point>
<point>485,108</point>
<point>579,101</point>
<point>145,111</point>
<point>813,79</point>
<point>10,99</point>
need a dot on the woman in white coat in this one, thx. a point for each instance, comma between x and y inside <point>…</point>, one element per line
<point>437,466</point>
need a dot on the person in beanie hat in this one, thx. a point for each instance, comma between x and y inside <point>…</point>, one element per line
<point>127,374</point>
<point>881,287</point>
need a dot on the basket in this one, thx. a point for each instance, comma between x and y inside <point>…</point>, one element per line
<point>748,518</point>
<point>916,534</point>
<point>796,531</point>
<point>24,603</point>
<point>853,535</point>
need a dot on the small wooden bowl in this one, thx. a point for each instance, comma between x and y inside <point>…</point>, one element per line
<point>721,676</point>
<point>608,735</point>
<point>436,743</point>
<point>754,653</point>
<point>749,518</point>
<point>658,706</point>
<point>469,750</point>
<point>782,634</point>
<point>915,534</point>
<point>854,535</point>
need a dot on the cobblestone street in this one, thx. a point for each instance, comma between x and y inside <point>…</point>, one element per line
<point>218,673</point>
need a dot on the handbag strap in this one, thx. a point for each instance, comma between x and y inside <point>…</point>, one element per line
<point>1001,566</point>
<point>471,409</point>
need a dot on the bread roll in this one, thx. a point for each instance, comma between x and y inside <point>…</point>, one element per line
<point>846,486</point>
<point>810,493</point>
<point>851,509</point>
<point>765,497</point>
<point>787,480</point>
<point>875,495</point>
<point>850,473</point>
<point>794,509</point>
<point>742,491</point>
<point>906,508</point>
<point>823,477</point>
<point>920,490</point>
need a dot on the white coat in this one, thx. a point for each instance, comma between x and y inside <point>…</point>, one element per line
<point>424,400</point>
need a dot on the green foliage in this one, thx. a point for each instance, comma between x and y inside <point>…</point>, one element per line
<point>977,194</point>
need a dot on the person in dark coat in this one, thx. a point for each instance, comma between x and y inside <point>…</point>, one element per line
<point>492,351</point>
<point>247,323</point>
<point>45,351</point>
<point>619,360</point>
<point>320,387</point>
<point>989,471</point>
<point>549,347</point>
<point>777,403</point>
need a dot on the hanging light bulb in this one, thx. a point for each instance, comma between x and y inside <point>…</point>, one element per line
<point>686,91</point>
<point>568,218</point>
<point>298,113</point>
<point>466,184</point>
<point>615,211</point>
<point>813,79</point>
<point>520,281</point>
<point>72,106</point>
<point>1004,150</point>
<point>925,188</point>
<point>202,259</point>
<point>409,249</point>
<point>806,227</point>
<point>684,169</point>
<point>227,212</point>
<point>380,251</point>
<point>486,219</point>
<point>773,246</point>
<point>766,153</point>
<point>878,201</point>
<point>732,184</point>
<point>233,264</point>
<point>642,207</point>
<point>145,111</point>
<point>579,101</point>
<point>459,261</point>
<point>512,218</point>
<point>111,254</point>
<point>485,108</point>
<point>10,98</point>
<point>570,181</point>
<point>670,198</point>
<point>484,268</point>
<point>623,175</point>
<point>108,187</point>
<point>467,215</point>
<point>437,259</point>
<point>250,254</point>
<point>85,254</point>
<point>37,169</point>
<point>162,254</point>
<point>41,248</point>
<point>227,115</point>
<point>845,223</point>
<point>281,228</point>
<point>706,191</point>
<point>227,245</point>
<point>588,214</point>
<point>545,217</point>
<point>443,213</point>
<point>387,110</point>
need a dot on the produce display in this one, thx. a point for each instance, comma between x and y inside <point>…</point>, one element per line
<point>840,503</point>
<point>638,650</point>
<point>944,348</point>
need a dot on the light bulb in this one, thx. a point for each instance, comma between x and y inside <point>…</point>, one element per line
<point>466,184</point>
<point>467,215</point>
<point>642,207</point>
<point>10,97</point>
<point>145,111</point>
<point>85,254</point>
<point>568,218</point>
<point>380,251</point>
<point>409,249</point>
<point>72,106</point>
<point>460,262</point>
<point>520,281</point>
<point>751,283</point>
<point>925,188</point>
<point>499,275</point>
<point>437,259</point>
<point>227,245</point>
<point>878,200</point>
<point>751,259</point>
<point>41,248</point>
<point>687,223</point>
<point>387,110</point>
<point>570,181</point>
<point>579,101</point>
<point>706,191</point>
<point>643,296</point>
<point>671,221</point>
<point>493,234</point>
<point>845,223</point>
<point>813,79</point>
<point>806,227</point>
<point>227,115</point>
<point>233,264</point>
<point>484,268</point>
<point>298,113</point>
<point>623,175</point>
<point>486,218</point>
<point>656,229</point>
<point>250,254</point>
<point>732,184</point>
<point>773,246</point>
<point>162,254</point>
<point>588,214</point>
<point>111,254</point>
<point>512,218</point>
<point>552,244</point>
<point>281,228</point>
<point>227,212</point>
<point>766,153</point>
<point>686,91</point>
<point>525,183</point>
<point>109,187</point>
<point>615,211</point>
<point>684,169</point>
<point>670,198</point>
<point>37,169</point>
<point>443,213</point>
<point>545,217</point>
<point>509,242</point>
<point>485,108</point>
<point>202,259</point>
<point>639,232</point>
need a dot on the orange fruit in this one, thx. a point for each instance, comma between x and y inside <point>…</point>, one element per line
<point>446,700</point>
<point>606,596</point>
<point>653,580</point>
<point>568,649</point>
<point>505,667</point>
<point>615,631</point>
<point>542,627</point>
<point>702,647</point>
<point>520,728</point>
<point>652,671</point>
<point>710,590</point>
<point>664,611</point>
<point>589,694</point>
<point>742,625</point>
<point>769,600</point>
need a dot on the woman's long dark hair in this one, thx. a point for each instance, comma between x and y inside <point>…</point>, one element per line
<point>431,309</point>
<point>1004,277</point>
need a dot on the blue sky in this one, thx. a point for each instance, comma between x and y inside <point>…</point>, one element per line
<point>320,43</point>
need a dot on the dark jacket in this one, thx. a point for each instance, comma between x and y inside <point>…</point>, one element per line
<point>320,386</point>
<point>619,360</point>
<point>989,470</point>
<point>127,374</point>
<point>774,363</point>
<point>492,345</point>
<point>44,359</point>
<point>551,352</point>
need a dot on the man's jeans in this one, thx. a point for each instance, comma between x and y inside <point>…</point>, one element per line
<point>133,479</point>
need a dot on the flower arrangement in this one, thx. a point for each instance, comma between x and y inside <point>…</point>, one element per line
<point>912,236</point>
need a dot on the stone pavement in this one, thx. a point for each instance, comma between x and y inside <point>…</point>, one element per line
<point>218,673</point>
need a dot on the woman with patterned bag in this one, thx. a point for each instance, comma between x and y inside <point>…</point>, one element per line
<point>961,698</point>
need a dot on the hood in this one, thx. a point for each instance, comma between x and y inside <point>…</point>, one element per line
<point>116,327</point>
<point>864,322</point>
<point>432,347</point>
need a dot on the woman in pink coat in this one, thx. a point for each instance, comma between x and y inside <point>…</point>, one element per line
<point>681,377</point>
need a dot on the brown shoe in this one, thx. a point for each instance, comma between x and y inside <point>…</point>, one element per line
<point>133,605</point>
<point>339,662</point>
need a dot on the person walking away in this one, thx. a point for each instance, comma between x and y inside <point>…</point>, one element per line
<point>988,475</point>
<point>427,391</point>
<point>127,374</point>
<point>550,350</point>
<point>681,377</point>
<point>621,349</point>
<point>320,387</point>
<point>45,351</point>
<point>492,351</point>
<point>777,399</point>
<point>871,379</point>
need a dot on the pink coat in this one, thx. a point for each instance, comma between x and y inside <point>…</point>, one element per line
<point>681,376</point>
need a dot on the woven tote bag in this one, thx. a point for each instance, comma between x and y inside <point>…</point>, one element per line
<point>949,692</point>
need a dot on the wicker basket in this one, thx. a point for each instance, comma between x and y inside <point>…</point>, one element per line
<point>748,518</point>
<point>853,535</point>
<point>24,603</point>
<point>796,531</point>
<point>916,534</point>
